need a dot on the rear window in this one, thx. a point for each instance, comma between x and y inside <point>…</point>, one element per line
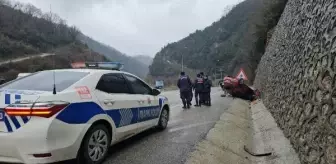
<point>44,81</point>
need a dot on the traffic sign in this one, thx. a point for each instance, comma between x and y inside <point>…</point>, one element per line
<point>241,74</point>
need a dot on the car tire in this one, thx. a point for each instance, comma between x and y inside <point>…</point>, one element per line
<point>95,145</point>
<point>163,120</point>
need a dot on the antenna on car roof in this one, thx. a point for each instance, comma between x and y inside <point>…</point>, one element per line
<point>53,56</point>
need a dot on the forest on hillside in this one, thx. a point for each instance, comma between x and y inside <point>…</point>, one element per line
<point>63,59</point>
<point>237,40</point>
<point>25,30</point>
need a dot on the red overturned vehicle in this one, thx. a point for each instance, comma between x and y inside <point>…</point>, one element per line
<point>237,88</point>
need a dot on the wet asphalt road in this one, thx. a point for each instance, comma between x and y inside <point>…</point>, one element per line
<point>172,146</point>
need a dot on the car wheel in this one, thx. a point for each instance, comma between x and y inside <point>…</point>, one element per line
<point>95,145</point>
<point>163,120</point>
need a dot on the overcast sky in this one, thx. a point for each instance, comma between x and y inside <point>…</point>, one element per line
<point>137,26</point>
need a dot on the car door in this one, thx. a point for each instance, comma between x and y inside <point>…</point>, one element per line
<point>149,109</point>
<point>113,93</point>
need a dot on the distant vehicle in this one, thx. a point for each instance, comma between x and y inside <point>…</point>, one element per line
<point>159,84</point>
<point>64,114</point>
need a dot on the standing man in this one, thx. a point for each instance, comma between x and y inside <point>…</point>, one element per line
<point>198,87</point>
<point>191,95</point>
<point>202,95</point>
<point>207,90</point>
<point>185,85</point>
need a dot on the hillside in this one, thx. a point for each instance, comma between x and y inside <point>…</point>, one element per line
<point>236,40</point>
<point>147,60</point>
<point>25,31</point>
<point>63,59</point>
<point>31,32</point>
<point>130,64</point>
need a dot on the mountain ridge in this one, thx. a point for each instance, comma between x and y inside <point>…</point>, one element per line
<point>147,60</point>
<point>25,31</point>
<point>130,64</point>
<point>237,40</point>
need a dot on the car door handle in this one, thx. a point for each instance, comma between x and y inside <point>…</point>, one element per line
<point>108,102</point>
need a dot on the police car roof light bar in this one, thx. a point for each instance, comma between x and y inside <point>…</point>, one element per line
<point>105,65</point>
<point>98,65</point>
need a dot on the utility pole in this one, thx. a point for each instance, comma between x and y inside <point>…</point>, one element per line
<point>221,74</point>
<point>182,59</point>
<point>182,62</point>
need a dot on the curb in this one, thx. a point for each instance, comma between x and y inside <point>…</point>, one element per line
<point>267,137</point>
<point>244,134</point>
<point>225,141</point>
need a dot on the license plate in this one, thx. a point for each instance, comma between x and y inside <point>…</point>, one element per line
<point>2,115</point>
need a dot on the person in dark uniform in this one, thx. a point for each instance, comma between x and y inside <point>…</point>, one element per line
<point>202,101</point>
<point>198,87</point>
<point>185,85</point>
<point>202,74</point>
<point>207,90</point>
<point>191,95</point>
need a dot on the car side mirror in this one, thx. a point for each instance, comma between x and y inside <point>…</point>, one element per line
<point>155,92</point>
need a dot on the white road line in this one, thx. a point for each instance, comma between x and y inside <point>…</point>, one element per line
<point>174,106</point>
<point>174,121</point>
<point>190,126</point>
<point>214,93</point>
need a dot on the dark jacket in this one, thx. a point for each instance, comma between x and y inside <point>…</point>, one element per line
<point>184,84</point>
<point>199,84</point>
<point>207,85</point>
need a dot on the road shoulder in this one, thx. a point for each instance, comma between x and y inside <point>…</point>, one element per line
<point>245,134</point>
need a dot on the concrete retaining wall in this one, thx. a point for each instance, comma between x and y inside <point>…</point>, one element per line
<point>249,126</point>
<point>297,76</point>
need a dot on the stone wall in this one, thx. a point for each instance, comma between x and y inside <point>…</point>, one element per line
<point>297,76</point>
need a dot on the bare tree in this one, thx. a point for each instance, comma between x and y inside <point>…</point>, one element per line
<point>18,6</point>
<point>32,10</point>
<point>55,18</point>
<point>5,2</point>
<point>47,16</point>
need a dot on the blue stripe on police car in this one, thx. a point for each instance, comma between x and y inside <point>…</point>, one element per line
<point>9,127</point>
<point>13,122</point>
<point>80,113</point>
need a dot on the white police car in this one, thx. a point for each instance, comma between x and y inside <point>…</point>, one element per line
<point>58,115</point>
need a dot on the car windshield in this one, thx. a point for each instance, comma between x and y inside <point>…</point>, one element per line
<point>43,81</point>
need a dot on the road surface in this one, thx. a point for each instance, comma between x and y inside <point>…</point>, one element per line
<point>25,58</point>
<point>172,146</point>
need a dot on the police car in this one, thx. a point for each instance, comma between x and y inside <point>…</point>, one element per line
<point>57,115</point>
